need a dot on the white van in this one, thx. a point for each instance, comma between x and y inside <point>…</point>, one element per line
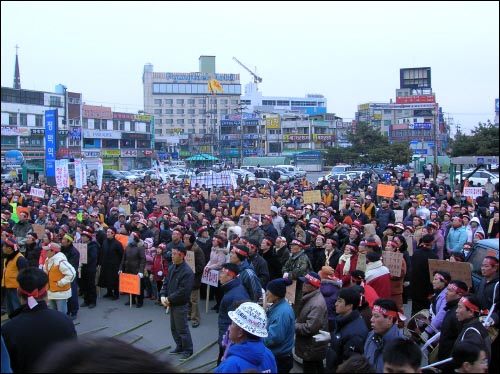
<point>338,169</point>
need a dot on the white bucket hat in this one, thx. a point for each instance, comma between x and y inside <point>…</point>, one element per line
<point>251,317</point>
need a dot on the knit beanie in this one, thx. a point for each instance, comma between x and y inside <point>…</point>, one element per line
<point>278,286</point>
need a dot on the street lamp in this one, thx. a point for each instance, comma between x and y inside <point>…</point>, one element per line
<point>435,164</point>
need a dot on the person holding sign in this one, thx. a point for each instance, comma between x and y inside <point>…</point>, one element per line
<point>133,262</point>
<point>175,293</point>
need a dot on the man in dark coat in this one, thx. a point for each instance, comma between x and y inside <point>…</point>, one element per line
<point>175,293</point>
<point>421,286</point>
<point>350,332</point>
<point>73,257</point>
<point>199,265</point>
<point>110,257</point>
<point>89,269</point>
<point>25,346</point>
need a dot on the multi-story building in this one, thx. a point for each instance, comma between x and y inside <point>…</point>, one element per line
<point>414,117</point>
<point>186,114</point>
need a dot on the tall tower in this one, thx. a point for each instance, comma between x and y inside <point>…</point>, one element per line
<point>17,75</point>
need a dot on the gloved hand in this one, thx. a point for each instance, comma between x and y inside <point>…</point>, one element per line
<point>160,273</point>
<point>285,275</point>
<point>406,284</point>
<point>119,271</point>
<point>424,336</point>
<point>488,322</point>
<point>140,275</point>
<point>323,336</point>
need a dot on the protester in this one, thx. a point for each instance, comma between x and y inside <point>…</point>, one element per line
<point>110,259</point>
<point>402,356</point>
<point>175,293</point>
<point>34,328</point>
<point>281,324</point>
<point>89,269</point>
<point>13,262</point>
<point>248,352</point>
<point>469,358</point>
<point>133,262</point>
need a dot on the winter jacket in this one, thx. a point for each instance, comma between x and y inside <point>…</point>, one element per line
<point>347,339</point>
<point>251,354</point>
<point>312,316</point>
<point>450,329</point>
<point>12,265</point>
<point>456,239</point>
<point>329,289</point>
<point>61,274</point>
<point>178,284</point>
<point>280,328</point>
<point>110,258</point>
<point>475,333</point>
<point>261,269</point>
<point>250,281</point>
<point>421,286</point>
<point>133,260</point>
<point>485,295</point>
<point>199,265</point>
<point>379,277</point>
<point>233,292</point>
<point>375,343</point>
<point>437,312</point>
<point>159,265</point>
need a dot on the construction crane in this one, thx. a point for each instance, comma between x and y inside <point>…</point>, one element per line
<point>256,78</point>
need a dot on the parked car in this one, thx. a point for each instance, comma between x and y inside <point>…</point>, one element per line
<point>112,175</point>
<point>131,177</point>
<point>483,248</point>
<point>479,177</point>
<point>337,176</point>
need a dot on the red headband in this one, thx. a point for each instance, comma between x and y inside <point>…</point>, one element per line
<point>441,278</point>
<point>35,293</point>
<point>239,251</point>
<point>491,261</point>
<point>393,244</point>
<point>469,305</point>
<point>370,243</point>
<point>351,247</point>
<point>314,281</point>
<point>229,272</point>
<point>267,241</point>
<point>385,312</point>
<point>457,289</point>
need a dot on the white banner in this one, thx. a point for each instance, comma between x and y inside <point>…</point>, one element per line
<point>162,171</point>
<point>37,192</point>
<point>62,173</point>
<point>78,173</point>
<point>99,173</point>
<point>210,277</point>
<point>473,191</point>
<point>223,179</point>
<point>84,173</point>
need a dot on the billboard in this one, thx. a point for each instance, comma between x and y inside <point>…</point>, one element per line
<point>50,142</point>
<point>415,78</point>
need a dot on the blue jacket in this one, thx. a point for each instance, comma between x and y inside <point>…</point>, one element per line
<point>251,354</point>
<point>250,281</point>
<point>233,292</point>
<point>280,328</point>
<point>374,346</point>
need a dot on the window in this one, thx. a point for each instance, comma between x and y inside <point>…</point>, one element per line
<point>132,126</point>
<point>169,111</point>
<point>55,101</point>
<point>180,111</point>
<point>74,142</point>
<point>179,101</point>
<point>115,125</point>
<point>283,102</point>
<point>191,111</point>
<point>157,111</point>
<point>13,119</point>
<point>202,121</point>
<point>159,121</point>
<point>202,111</point>
<point>97,124</point>
<point>158,131</point>
<point>191,121</point>
<point>122,125</point>
<point>126,143</point>
<point>23,119</point>
<point>180,121</point>
<point>157,101</point>
<point>201,101</point>
<point>224,111</point>
<point>169,121</point>
<point>191,101</point>
<point>224,101</point>
<point>169,101</point>
<point>38,120</point>
<point>243,102</point>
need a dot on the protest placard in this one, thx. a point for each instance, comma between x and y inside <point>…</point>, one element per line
<point>393,261</point>
<point>260,206</point>
<point>37,192</point>
<point>38,229</point>
<point>130,283</point>
<point>458,270</point>
<point>82,248</point>
<point>190,259</point>
<point>473,191</point>
<point>163,200</point>
<point>385,190</point>
<point>398,214</point>
<point>409,243</point>
<point>210,277</point>
<point>311,197</point>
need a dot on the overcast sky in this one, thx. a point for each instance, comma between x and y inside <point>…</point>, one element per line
<point>350,52</point>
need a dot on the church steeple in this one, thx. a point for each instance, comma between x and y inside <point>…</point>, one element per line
<point>17,75</point>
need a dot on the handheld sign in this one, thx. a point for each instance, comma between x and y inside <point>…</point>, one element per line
<point>130,283</point>
<point>393,261</point>
<point>210,277</point>
<point>458,270</point>
<point>290,292</point>
<point>82,248</point>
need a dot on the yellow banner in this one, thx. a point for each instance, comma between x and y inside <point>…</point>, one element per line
<point>110,153</point>
<point>272,123</point>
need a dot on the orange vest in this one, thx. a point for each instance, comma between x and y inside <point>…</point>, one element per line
<point>55,275</point>
<point>369,211</point>
<point>10,272</point>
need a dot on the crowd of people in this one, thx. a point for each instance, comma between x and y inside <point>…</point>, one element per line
<point>346,306</point>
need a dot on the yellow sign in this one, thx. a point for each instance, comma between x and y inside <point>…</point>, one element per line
<point>364,106</point>
<point>142,117</point>
<point>272,123</point>
<point>111,153</point>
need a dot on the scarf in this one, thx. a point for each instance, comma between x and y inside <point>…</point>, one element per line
<point>347,264</point>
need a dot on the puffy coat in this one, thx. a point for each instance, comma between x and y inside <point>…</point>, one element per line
<point>312,316</point>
